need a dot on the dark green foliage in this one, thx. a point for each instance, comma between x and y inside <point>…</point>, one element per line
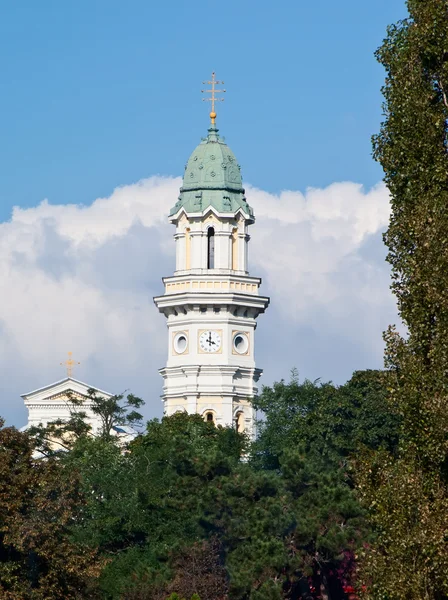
<point>183,485</point>
<point>198,567</point>
<point>309,433</point>
<point>327,422</point>
<point>176,596</point>
<point>145,506</point>
<point>279,524</point>
<point>277,529</point>
<point>190,508</point>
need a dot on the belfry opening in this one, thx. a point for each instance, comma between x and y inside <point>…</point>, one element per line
<point>211,248</point>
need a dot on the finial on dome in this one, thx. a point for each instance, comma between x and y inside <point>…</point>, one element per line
<point>213,82</point>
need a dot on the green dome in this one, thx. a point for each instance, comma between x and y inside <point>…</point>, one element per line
<point>212,178</point>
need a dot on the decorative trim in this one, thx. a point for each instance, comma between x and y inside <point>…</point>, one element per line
<point>221,284</point>
<point>175,334</point>
<point>235,332</point>
<point>45,406</point>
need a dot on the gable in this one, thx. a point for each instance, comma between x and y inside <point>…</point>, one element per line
<point>62,389</point>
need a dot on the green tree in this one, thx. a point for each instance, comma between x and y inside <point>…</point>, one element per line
<point>39,501</point>
<point>326,421</point>
<point>284,530</point>
<point>145,507</point>
<point>117,411</point>
<point>407,493</point>
<point>198,572</point>
<point>309,435</point>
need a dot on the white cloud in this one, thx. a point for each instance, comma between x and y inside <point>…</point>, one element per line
<point>81,278</point>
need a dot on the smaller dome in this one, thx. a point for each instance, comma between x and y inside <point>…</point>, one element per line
<point>212,165</point>
<point>212,178</point>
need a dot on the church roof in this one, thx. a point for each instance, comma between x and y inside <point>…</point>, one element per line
<point>212,178</point>
<point>61,386</point>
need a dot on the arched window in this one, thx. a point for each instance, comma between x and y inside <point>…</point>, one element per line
<point>235,249</point>
<point>210,248</point>
<point>187,248</point>
<point>239,422</point>
<point>209,417</point>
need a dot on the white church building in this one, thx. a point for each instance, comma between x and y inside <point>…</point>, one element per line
<point>58,401</point>
<point>211,302</point>
<point>55,402</point>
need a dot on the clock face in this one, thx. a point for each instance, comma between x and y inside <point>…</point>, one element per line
<point>210,341</point>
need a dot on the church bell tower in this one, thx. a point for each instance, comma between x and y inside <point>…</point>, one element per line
<point>211,302</point>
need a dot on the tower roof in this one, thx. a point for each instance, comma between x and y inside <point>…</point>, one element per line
<point>212,178</point>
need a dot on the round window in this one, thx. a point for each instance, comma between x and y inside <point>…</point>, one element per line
<point>180,343</point>
<point>241,343</point>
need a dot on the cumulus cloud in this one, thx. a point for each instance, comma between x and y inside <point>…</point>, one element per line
<point>82,278</point>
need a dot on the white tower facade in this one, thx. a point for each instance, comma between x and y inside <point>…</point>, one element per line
<point>211,302</point>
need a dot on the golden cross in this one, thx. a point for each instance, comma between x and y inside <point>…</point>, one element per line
<point>214,82</point>
<point>69,364</point>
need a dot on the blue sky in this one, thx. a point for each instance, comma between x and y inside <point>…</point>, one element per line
<point>100,108</point>
<point>98,93</point>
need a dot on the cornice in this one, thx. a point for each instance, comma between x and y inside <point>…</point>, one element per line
<point>211,298</point>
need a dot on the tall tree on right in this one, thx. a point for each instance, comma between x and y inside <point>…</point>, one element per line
<point>407,493</point>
